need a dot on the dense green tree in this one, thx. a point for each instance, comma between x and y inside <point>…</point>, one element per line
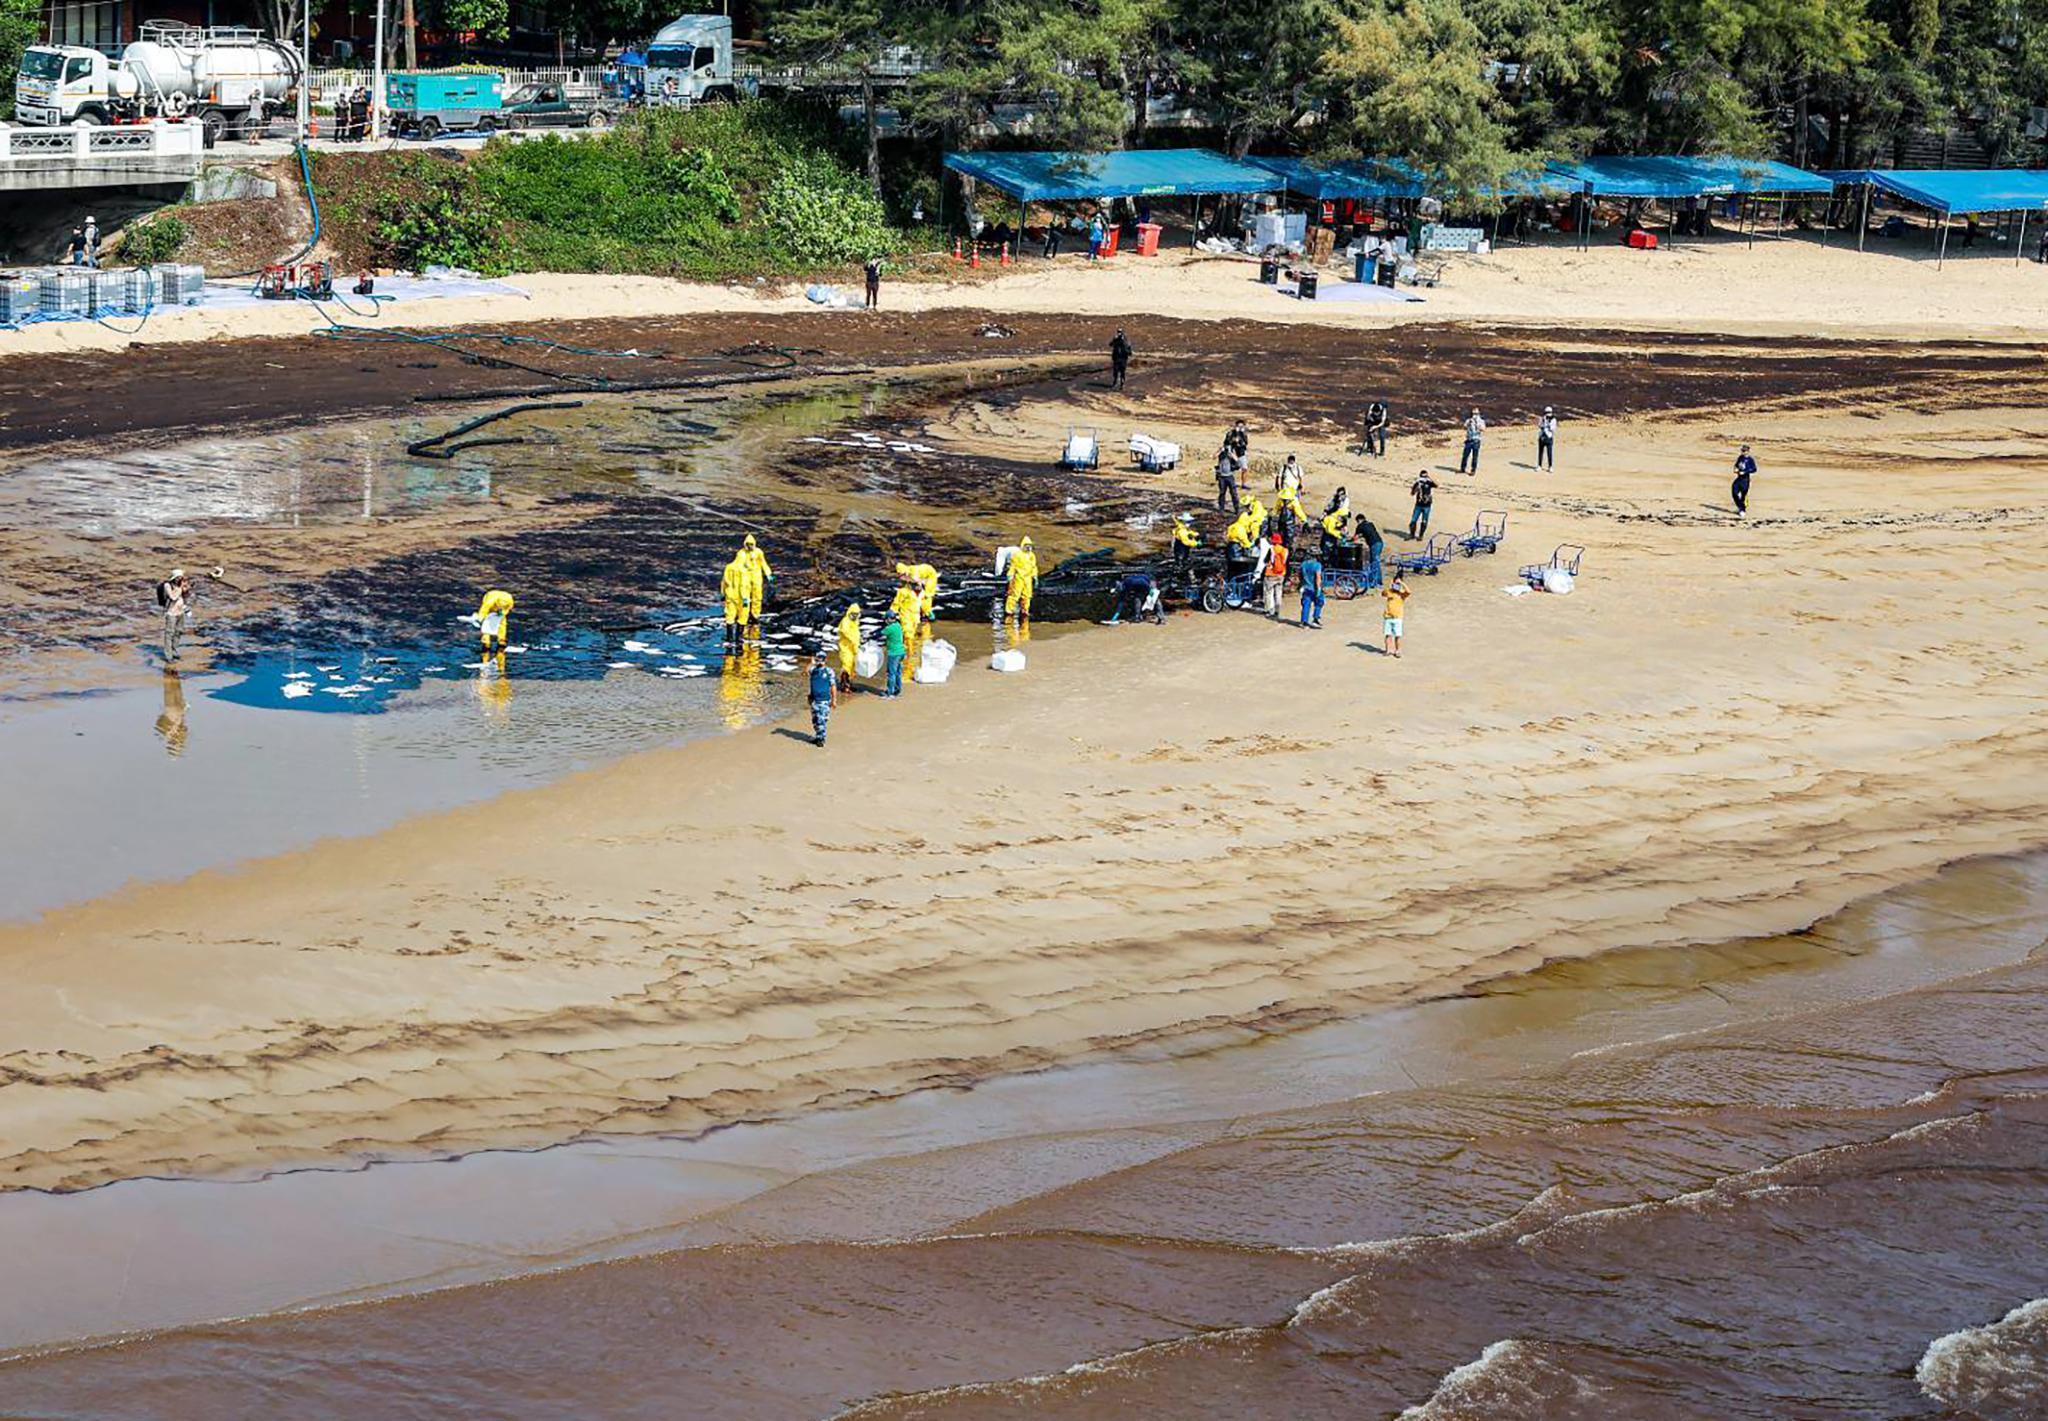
<point>20,26</point>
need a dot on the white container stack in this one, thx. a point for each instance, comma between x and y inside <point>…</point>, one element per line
<point>179,283</point>
<point>122,291</point>
<point>21,296</point>
<point>66,293</point>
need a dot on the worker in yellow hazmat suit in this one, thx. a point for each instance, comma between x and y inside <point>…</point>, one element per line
<point>849,645</point>
<point>760,577</point>
<point>927,579</point>
<point>733,586</point>
<point>1243,532</point>
<point>1185,540</point>
<point>908,604</point>
<point>494,620</point>
<point>1023,582</point>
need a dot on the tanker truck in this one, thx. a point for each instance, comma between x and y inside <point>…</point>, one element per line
<point>224,76</point>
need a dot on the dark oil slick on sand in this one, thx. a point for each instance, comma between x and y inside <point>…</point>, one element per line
<point>1775,1217</point>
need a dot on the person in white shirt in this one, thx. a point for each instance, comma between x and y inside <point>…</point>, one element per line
<point>174,598</point>
<point>1546,439</point>
<point>1475,429</point>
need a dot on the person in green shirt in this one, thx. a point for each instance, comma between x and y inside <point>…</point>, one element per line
<point>892,647</point>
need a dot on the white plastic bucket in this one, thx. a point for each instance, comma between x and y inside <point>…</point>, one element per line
<point>868,660</point>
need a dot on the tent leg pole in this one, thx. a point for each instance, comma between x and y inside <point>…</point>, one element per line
<point>2019,247</point>
<point>1019,252</point>
<point>1863,226</point>
<point>1942,255</point>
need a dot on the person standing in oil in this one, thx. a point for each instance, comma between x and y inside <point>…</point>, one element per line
<point>494,621</point>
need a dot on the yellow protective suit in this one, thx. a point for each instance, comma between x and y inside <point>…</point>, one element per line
<point>1290,501</point>
<point>1023,582</point>
<point>927,579</point>
<point>1184,535</point>
<point>908,605</point>
<point>759,575</point>
<point>734,585</point>
<point>1333,523</point>
<point>1245,531</point>
<point>1256,511</point>
<point>849,641</point>
<point>494,619</point>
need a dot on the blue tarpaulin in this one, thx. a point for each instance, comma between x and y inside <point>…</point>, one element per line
<point>1687,177</point>
<point>1151,172</point>
<point>1361,179</point>
<point>1952,190</point>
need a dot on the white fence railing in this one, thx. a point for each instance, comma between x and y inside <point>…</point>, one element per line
<point>327,83</point>
<point>140,140</point>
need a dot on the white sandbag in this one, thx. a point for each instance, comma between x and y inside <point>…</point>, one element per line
<point>1003,556</point>
<point>1006,661</point>
<point>935,664</point>
<point>1556,579</point>
<point>868,660</point>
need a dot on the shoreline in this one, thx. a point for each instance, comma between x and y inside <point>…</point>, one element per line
<point>313,1237</point>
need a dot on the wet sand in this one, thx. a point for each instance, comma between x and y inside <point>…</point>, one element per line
<point>1752,1180</point>
<point>1731,727</point>
<point>1155,843</point>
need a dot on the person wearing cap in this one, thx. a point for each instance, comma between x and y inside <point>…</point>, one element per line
<point>92,241</point>
<point>823,689</point>
<point>174,598</point>
<point>1475,431</point>
<point>1546,439</point>
<point>1738,492</point>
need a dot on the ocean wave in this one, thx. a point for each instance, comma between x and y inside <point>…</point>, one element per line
<point>1512,1378</point>
<point>1998,1372</point>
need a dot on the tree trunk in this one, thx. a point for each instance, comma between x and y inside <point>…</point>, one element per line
<point>411,27</point>
<point>867,108</point>
<point>1799,120</point>
<point>1141,116</point>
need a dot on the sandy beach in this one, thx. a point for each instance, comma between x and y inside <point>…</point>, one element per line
<point>1790,286</point>
<point>1156,841</point>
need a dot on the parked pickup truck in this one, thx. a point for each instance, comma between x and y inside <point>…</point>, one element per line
<point>551,106</point>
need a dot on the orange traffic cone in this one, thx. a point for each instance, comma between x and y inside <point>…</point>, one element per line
<point>956,249</point>
<point>1006,254</point>
<point>976,249</point>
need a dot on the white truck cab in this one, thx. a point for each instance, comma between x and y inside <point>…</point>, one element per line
<point>61,83</point>
<point>690,61</point>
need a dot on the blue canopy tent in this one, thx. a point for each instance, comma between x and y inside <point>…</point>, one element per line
<point>1360,179</point>
<point>1950,192</point>
<point>1674,177</point>
<point>1148,172</point>
<point>1687,177</point>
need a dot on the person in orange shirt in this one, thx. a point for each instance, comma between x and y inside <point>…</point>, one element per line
<point>1273,576</point>
<point>1397,603</point>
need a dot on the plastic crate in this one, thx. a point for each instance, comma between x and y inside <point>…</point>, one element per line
<point>179,283</point>
<point>120,291</point>
<point>66,293</point>
<point>21,296</point>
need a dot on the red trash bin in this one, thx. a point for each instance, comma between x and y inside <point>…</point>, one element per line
<point>1109,241</point>
<point>1148,239</point>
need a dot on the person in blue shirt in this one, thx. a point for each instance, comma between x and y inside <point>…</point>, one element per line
<point>1311,590</point>
<point>1745,467</point>
<point>824,690</point>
